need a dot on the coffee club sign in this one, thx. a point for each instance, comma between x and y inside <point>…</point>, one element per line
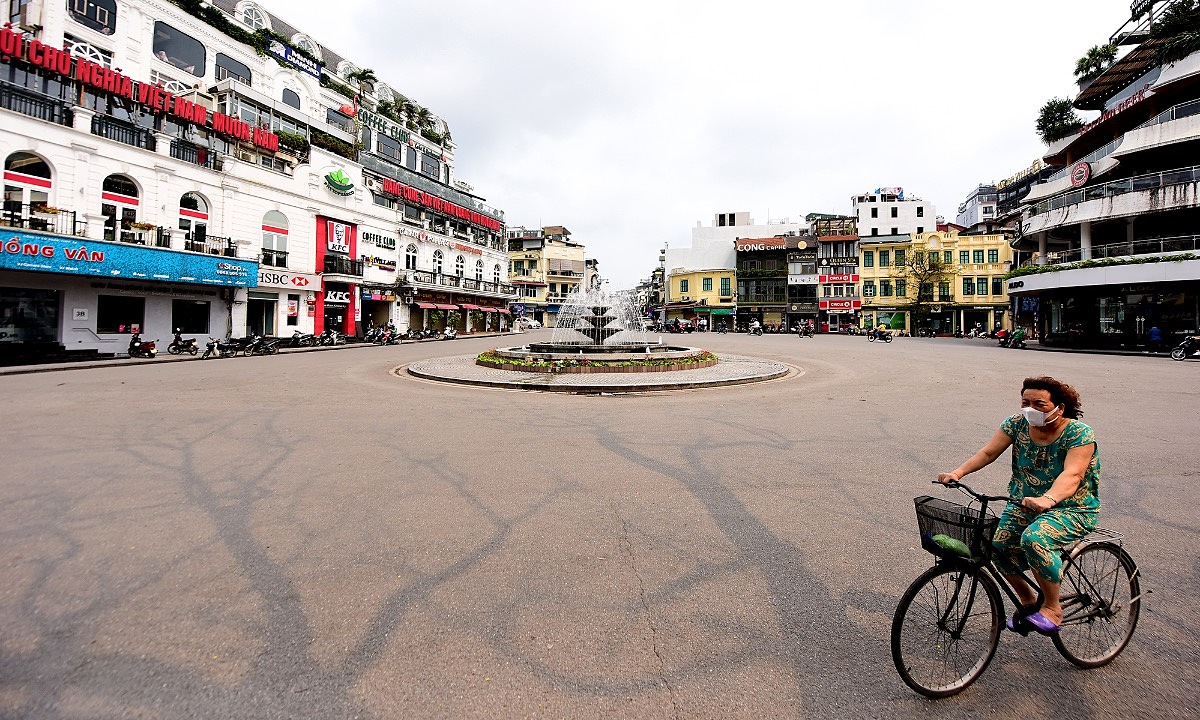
<point>99,78</point>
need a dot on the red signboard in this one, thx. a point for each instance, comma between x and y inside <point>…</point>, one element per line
<point>843,278</point>
<point>841,304</point>
<point>761,244</point>
<point>412,194</point>
<point>1080,173</point>
<point>154,97</point>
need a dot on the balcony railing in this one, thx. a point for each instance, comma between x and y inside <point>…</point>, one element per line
<point>210,245</point>
<point>35,105</point>
<point>153,237</point>
<point>1118,187</point>
<point>195,154</point>
<point>343,266</point>
<point>274,258</point>
<point>122,132</point>
<point>37,217</point>
<point>756,298</point>
<point>1150,246</point>
<point>427,277</point>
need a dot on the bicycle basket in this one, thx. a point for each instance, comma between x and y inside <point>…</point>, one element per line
<point>958,523</point>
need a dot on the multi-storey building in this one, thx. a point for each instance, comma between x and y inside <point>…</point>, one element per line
<point>886,211</point>
<point>942,281</point>
<point>979,208</point>
<point>762,280</point>
<point>165,166</point>
<point>705,294</point>
<point>545,267</point>
<point>1111,235</point>
<point>713,254</point>
<point>837,270</point>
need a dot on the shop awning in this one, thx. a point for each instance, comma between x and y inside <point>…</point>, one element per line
<point>444,306</point>
<point>488,309</point>
<point>427,306</point>
<point>467,306</point>
<point>720,311</point>
<point>503,310</point>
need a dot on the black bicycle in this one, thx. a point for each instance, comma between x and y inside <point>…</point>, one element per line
<point>947,625</point>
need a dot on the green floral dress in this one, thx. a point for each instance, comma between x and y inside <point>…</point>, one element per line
<point>1029,540</point>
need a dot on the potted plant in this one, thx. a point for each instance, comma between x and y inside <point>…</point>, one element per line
<point>142,226</point>
<point>46,209</point>
<point>453,319</point>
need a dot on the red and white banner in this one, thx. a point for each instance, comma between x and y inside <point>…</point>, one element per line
<point>842,305</point>
<point>843,278</point>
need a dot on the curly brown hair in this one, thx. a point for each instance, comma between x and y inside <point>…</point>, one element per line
<point>1060,394</point>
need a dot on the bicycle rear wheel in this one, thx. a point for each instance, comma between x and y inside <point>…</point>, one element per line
<point>1101,600</point>
<point>946,629</point>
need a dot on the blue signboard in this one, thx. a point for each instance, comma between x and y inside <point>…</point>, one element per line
<point>77,256</point>
<point>289,55</point>
<point>518,309</point>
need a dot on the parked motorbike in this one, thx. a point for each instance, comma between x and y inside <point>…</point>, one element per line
<point>139,349</point>
<point>179,345</point>
<point>331,337</point>
<point>269,346</point>
<point>1190,346</point>
<point>300,339</point>
<point>450,334</point>
<point>218,348</point>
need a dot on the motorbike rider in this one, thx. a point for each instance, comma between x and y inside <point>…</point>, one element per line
<point>1018,336</point>
<point>880,330</point>
<point>755,325</point>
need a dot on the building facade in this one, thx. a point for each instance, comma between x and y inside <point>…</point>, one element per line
<point>1109,246</point>
<point>762,281</point>
<point>887,211</point>
<point>840,301</point>
<point>545,267</point>
<point>221,187</point>
<point>944,281</point>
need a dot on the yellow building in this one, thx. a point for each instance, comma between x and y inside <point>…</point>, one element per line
<point>544,267</point>
<point>702,294</point>
<point>942,280</point>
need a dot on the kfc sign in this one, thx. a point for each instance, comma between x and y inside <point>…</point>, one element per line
<point>844,278</point>
<point>337,297</point>
<point>337,238</point>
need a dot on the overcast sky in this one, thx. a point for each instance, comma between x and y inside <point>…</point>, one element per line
<point>629,121</point>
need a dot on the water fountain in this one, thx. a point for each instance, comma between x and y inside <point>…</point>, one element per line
<point>598,331</point>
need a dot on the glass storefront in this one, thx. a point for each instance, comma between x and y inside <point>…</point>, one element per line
<point>28,315</point>
<point>1119,317</point>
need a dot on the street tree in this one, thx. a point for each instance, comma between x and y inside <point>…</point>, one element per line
<point>1057,119</point>
<point>922,271</point>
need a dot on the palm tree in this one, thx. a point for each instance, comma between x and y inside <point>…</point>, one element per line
<point>1097,59</point>
<point>364,78</point>
<point>424,118</point>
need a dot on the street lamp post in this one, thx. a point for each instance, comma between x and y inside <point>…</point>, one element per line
<point>663,259</point>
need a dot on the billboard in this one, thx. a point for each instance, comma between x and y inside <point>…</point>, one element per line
<point>77,256</point>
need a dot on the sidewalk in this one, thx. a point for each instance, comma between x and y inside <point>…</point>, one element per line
<point>165,358</point>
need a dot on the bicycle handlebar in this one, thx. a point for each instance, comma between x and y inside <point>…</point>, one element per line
<point>978,496</point>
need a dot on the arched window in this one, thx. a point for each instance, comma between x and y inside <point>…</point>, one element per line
<point>437,261</point>
<point>460,265</point>
<point>275,237</point>
<point>410,257</point>
<point>479,270</point>
<point>301,42</point>
<point>87,51</point>
<point>496,274</point>
<point>227,67</point>
<point>99,15</point>
<point>384,93</point>
<point>119,206</point>
<point>26,184</point>
<point>179,49</point>
<point>346,69</point>
<point>193,220</point>
<point>254,18</point>
<point>292,98</point>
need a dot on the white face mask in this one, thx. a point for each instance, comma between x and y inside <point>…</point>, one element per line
<point>1037,418</point>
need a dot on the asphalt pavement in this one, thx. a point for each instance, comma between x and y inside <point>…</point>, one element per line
<point>319,535</point>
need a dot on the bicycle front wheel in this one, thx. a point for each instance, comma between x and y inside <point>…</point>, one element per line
<point>946,629</point>
<point>1101,601</point>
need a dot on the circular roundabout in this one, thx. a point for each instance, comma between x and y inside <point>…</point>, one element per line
<point>723,371</point>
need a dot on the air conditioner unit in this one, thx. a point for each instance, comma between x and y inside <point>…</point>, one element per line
<point>30,18</point>
<point>247,156</point>
<point>370,181</point>
<point>685,297</point>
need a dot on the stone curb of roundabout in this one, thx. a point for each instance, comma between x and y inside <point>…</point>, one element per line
<point>729,370</point>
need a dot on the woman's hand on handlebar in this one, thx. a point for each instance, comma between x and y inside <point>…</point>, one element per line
<point>948,477</point>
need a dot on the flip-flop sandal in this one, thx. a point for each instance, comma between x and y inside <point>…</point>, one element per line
<point>1043,624</point>
<point>1018,623</point>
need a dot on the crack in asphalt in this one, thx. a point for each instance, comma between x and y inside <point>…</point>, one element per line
<point>627,550</point>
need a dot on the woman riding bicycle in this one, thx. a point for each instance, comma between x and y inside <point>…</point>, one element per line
<point>1056,477</point>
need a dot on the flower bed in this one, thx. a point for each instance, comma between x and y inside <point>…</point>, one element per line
<point>695,362</point>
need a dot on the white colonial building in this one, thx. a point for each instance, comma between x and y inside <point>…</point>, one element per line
<point>225,175</point>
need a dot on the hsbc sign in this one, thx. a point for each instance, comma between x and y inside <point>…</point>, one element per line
<point>283,279</point>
